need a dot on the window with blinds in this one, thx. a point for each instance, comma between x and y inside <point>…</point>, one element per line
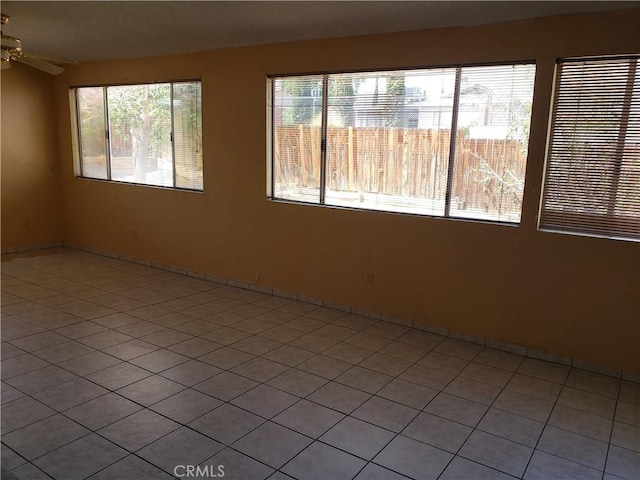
<point>446,142</point>
<point>592,176</point>
<point>149,134</point>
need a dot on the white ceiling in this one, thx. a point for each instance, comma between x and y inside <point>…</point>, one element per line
<point>97,30</point>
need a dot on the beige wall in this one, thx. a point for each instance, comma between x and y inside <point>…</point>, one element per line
<point>571,295</point>
<point>30,195</point>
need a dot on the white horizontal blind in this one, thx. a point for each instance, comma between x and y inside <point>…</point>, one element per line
<point>297,137</point>
<point>437,141</point>
<point>92,140</point>
<point>147,134</point>
<point>490,161</point>
<point>592,179</point>
<point>187,135</point>
<point>387,145</point>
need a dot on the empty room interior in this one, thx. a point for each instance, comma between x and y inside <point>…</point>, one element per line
<point>320,240</point>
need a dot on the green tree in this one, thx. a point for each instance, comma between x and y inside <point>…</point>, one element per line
<point>395,98</point>
<point>306,99</point>
<point>142,114</point>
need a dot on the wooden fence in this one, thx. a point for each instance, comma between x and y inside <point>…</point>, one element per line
<point>488,174</point>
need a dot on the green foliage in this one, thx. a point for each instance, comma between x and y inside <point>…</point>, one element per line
<point>306,98</point>
<point>395,100</point>
<point>342,90</point>
<point>144,113</point>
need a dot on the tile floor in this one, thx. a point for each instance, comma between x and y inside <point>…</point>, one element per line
<point>113,370</point>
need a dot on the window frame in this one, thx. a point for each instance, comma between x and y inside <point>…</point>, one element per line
<point>76,131</point>
<point>589,224</point>
<point>271,180</point>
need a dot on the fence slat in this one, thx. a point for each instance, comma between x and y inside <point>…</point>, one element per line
<point>488,173</point>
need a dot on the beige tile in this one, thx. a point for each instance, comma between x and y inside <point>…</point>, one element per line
<point>265,401</point>
<point>140,329</point>
<point>573,447</point>
<point>534,387</point>
<point>41,379</point>
<point>281,334</point>
<point>594,383</point>
<point>69,394</point>
<point>438,432</point>
<point>138,430</point>
<point>456,409</point>
<point>131,467</point>
<point>325,367</point>
<point>551,372</point>
<point>102,411</point>
<point>226,358</point>
<point>364,379</point>
<point>226,423</point>
<point>339,397</point>
<point>407,352</point>
<point>420,339</point>
<point>587,402</point>
<point>347,352</point>
<point>256,345</point>
<point>443,362</point>
<point>480,392</point>
<point>413,459</point>
<point>313,343</point>
<point>80,458</point>
<point>623,463</point>
<point>385,364</point>
<point>194,347</point>
<point>407,393</point>
<point>289,355</point>
<point>458,348</point>
<point>320,461</point>
<point>496,452</point>
<point>626,436</point>
<point>630,393</point>
<point>242,465</point>
<point>131,349</point>
<point>512,427</point>
<point>118,376</point>
<point>544,466</point>
<point>180,447</point>
<point>524,405</point>
<point>628,413</point>
<point>298,382</point>
<point>499,359</point>
<point>308,418</point>
<point>357,437</point>
<point>159,360</point>
<point>581,422</point>
<point>368,341</point>
<point>272,444</point>
<point>487,374</point>
<point>427,377</point>
<point>385,413</point>
<point>387,330</point>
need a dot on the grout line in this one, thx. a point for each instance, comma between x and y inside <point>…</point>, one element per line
<point>289,368</point>
<point>613,426</point>
<point>535,353</point>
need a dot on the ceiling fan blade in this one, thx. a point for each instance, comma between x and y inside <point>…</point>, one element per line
<point>51,58</point>
<point>50,68</point>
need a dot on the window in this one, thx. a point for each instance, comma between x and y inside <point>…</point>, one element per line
<point>592,178</point>
<point>148,134</point>
<point>446,142</point>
